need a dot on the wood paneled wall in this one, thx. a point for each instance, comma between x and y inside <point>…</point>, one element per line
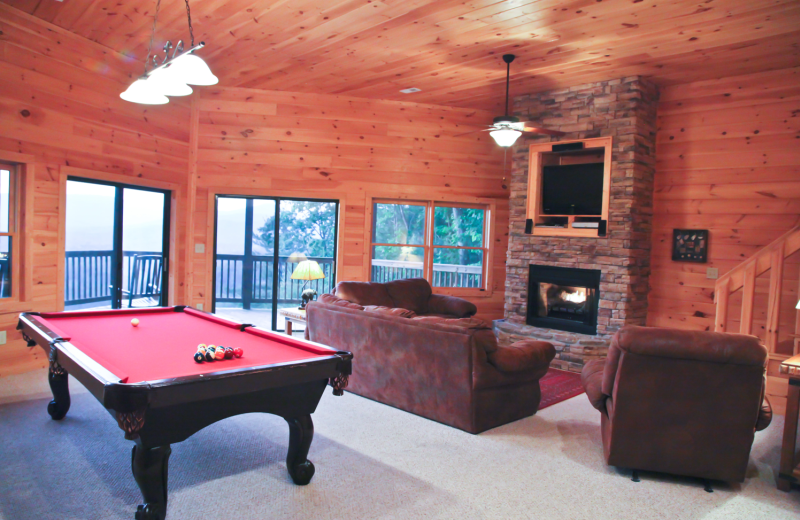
<point>728,160</point>
<point>60,109</point>
<point>278,143</point>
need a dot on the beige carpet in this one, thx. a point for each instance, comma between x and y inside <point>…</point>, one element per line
<point>372,461</point>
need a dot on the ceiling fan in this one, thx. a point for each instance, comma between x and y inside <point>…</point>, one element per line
<point>506,129</point>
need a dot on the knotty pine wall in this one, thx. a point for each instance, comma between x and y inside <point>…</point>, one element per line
<point>277,143</point>
<point>60,108</point>
<point>728,160</point>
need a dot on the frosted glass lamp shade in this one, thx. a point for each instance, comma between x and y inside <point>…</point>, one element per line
<point>296,258</point>
<point>308,270</point>
<point>193,70</point>
<point>166,82</point>
<point>143,93</point>
<point>505,136</point>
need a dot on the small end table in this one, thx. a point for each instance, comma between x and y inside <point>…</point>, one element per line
<point>293,315</point>
<point>790,471</point>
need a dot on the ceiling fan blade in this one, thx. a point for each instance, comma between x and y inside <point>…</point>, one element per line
<point>473,131</point>
<point>533,129</point>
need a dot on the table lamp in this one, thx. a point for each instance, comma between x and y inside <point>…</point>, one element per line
<point>296,258</point>
<point>307,270</point>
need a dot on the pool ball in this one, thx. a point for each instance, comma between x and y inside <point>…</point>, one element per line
<point>199,357</point>
<point>238,352</point>
<point>201,346</point>
<point>228,353</point>
<point>135,322</point>
<point>219,354</point>
<point>210,355</point>
<point>201,350</point>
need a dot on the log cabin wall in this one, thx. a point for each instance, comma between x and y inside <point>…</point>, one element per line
<point>60,109</point>
<point>728,161</point>
<point>255,142</point>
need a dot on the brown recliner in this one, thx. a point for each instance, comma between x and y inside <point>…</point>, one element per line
<point>681,402</point>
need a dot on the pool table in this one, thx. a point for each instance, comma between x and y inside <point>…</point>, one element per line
<point>147,379</point>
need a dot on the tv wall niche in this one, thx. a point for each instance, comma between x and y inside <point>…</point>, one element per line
<point>569,185</point>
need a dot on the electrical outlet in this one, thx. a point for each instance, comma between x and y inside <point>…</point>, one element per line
<point>199,306</point>
<point>199,248</point>
<point>712,273</point>
<point>2,337</point>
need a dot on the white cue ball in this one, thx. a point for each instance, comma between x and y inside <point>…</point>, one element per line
<point>135,322</point>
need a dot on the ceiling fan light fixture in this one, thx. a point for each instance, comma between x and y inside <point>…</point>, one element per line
<point>505,137</point>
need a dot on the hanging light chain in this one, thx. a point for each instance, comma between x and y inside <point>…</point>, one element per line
<point>189,17</point>
<point>152,35</point>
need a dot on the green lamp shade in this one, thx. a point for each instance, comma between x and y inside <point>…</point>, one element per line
<point>308,270</point>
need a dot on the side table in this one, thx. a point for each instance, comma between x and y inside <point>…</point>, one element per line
<point>789,471</point>
<point>292,315</point>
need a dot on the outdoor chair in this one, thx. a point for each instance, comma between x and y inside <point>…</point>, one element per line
<point>144,287</point>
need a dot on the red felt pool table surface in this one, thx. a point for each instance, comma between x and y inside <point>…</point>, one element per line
<point>164,343</point>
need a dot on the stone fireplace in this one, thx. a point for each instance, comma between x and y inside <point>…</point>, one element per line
<point>626,110</point>
<point>563,298</point>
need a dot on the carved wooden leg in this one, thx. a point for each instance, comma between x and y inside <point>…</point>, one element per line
<point>150,471</point>
<point>59,385</point>
<point>301,432</point>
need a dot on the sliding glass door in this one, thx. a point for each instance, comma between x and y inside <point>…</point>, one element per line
<point>117,243</point>
<point>260,243</point>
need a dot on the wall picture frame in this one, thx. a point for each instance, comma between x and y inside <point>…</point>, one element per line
<point>690,245</point>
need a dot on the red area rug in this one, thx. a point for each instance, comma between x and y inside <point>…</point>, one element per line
<point>559,385</point>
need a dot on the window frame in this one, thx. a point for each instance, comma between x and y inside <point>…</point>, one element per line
<point>22,177</point>
<point>487,205</point>
<point>13,227</point>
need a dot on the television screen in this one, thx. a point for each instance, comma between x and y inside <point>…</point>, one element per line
<point>572,189</point>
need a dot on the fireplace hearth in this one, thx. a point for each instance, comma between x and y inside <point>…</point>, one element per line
<point>563,298</point>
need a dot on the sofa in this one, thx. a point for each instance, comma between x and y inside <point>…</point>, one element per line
<point>681,402</point>
<point>427,354</point>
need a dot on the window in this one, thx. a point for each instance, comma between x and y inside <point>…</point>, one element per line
<point>443,242</point>
<point>8,228</point>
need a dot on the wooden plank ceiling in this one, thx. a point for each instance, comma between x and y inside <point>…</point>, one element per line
<point>450,49</point>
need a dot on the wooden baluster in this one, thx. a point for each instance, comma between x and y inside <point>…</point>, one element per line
<point>748,298</point>
<point>721,294</point>
<point>775,291</point>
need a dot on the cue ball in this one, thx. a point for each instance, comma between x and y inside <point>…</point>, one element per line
<point>135,322</point>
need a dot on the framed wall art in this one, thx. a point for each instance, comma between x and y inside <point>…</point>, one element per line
<point>690,245</point>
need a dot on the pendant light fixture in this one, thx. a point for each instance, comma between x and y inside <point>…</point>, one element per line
<point>508,128</point>
<point>172,76</point>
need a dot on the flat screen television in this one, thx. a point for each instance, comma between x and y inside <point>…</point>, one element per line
<point>572,189</point>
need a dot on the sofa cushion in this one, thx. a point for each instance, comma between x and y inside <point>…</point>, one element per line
<point>393,311</point>
<point>411,293</point>
<point>365,293</point>
<point>441,305</point>
<point>333,300</point>
<point>462,323</point>
<point>592,380</point>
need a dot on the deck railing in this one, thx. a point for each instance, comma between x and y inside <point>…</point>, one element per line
<point>444,275</point>
<point>233,274</point>
<point>88,275</point>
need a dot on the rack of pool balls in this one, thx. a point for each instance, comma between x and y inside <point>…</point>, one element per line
<point>216,353</point>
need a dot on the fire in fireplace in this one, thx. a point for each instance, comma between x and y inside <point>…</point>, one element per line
<point>563,298</point>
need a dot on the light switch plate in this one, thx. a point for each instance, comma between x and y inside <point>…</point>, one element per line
<point>199,306</point>
<point>712,273</point>
<point>2,337</point>
<point>199,248</point>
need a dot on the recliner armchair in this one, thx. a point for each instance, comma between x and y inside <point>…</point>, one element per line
<point>681,402</point>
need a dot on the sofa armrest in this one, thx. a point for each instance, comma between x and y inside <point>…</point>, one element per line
<point>522,356</point>
<point>459,307</point>
<point>764,415</point>
<point>592,380</point>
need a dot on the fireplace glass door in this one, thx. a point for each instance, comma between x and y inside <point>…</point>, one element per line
<point>563,298</point>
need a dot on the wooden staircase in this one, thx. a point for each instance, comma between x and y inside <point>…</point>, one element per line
<point>769,259</point>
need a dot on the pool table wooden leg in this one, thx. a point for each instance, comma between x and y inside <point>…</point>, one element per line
<point>301,432</point>
<point>59,385</point>
<point>149,467</point>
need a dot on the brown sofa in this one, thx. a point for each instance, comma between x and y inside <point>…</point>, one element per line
<point>680,402</point>
<point>425,354</point>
